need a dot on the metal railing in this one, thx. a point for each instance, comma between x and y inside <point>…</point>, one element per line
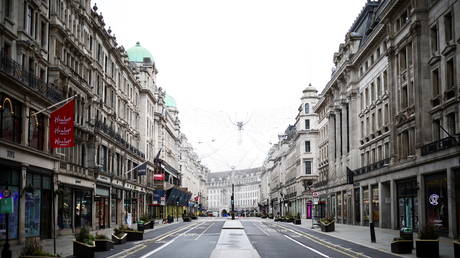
<point>377,165</point>
<point>439,145</point>
<point>99,125</point>
<point>28,79</point>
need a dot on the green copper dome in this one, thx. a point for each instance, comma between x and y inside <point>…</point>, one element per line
<point>170,101</point>
<point>138,53</point>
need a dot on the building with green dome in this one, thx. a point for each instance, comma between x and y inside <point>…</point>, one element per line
<point>139,54</point>
<point>170,101</point>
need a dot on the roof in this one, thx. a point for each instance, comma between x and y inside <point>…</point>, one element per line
<point>138,54</point>
<point>170,101</point>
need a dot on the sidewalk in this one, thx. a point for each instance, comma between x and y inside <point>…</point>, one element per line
<point>361,235</point>
<point>64,244</point>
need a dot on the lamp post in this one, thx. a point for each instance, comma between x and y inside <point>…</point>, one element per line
<point>233,201</point>
<point>177,211</point>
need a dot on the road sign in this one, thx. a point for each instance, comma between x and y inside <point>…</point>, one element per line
<point>6,202</point>
<point>315,194</point>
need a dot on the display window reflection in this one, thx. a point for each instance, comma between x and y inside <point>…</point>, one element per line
<point>436,202</point>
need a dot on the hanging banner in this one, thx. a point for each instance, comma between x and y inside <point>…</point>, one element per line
<point>142,169</point>
<point>62,126</point>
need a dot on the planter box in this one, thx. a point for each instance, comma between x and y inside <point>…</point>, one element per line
<point>194,217</point>
<point>456,248</point>
<point>83,250</point>
<point>103,245</point>
<point>186,219</point>
<point>28,256</point>
<point>297,221</point>
<point>327,227</point>
<point>119,240</point>
<point>140,227</point>
<point>402,246</point>
<point>149,225</point>
<point>134,235</point>
<point>427,248</point>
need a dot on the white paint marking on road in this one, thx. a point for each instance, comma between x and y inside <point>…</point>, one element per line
<point>261,229</point>
<point>309,248</point>
<point>170,242</point>
<point>203,231</point>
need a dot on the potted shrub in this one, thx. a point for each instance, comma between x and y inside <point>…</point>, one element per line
<point>270,216</point>
<point>148,223</point>
<point>457,247</point>
<point>140,225</point>
<point>427,244</point>
<point>119,237</point>
<point>32,248</point>
<point>193,216</point>
<point>103,243</point>
<point>289,219</point>
<point>83,245</point>
<point>133,235</point>
<point>401,246</point>
<point>186,218</point>
<point>297,220</point>
<point>327,224</point>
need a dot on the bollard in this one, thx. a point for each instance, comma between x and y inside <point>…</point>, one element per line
<point>371,226</point>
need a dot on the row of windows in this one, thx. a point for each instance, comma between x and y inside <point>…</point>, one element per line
<point>376,121</point>
<point>374,90</point>
<point>370,62</point>
<point>375,154</point>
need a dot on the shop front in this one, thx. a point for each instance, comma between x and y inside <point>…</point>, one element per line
<point>101,199</point>
<point>407,203</point>
<point>115,203</point>
<point>10,180</point>
<point>38,204</point>
<point>75,203</point>
<point>436,202</point>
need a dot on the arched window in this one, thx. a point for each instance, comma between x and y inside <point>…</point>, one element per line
<point>307,108</point>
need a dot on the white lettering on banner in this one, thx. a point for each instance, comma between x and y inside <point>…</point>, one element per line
<point>434,199</point>
<point>62,120</point>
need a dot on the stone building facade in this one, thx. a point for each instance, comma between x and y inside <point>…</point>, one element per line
<point>246,191</point>
<point>389,118</point>
<point>57,49</point>
<point>290,169</point>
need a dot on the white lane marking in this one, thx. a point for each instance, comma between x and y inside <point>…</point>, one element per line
<point>170,242</point>
<point>265,232</point>
<point>203,231</point>
<point>309,248</point>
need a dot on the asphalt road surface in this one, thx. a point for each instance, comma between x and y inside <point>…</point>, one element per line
<point>197,239</point>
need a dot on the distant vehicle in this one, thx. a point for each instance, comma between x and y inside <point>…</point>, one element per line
<point>215,214</point>
<point>210,214</point>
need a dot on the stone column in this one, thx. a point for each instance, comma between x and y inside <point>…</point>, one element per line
<point>46,134</point>
<point>451,203</point>
<point>421,201</point>
<point>393,205</point>
<point>344,129</point>
<point>361,206</point>
<point>331,137</point>
<point>22,204</point>
<point>381,203</point>
<point>338,132</point>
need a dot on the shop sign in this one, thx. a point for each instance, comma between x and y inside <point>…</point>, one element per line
<point>433,199</point>
<point>102,191</point>
<point>72,181</point>
<point>103,179</point>
<point>6,202</point>
<point>315,201</point>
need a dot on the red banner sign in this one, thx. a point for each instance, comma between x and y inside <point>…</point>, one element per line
<point>158,177</point>
<point>62,126</point>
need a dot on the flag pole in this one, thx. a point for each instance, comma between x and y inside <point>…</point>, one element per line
<point>135,167</point>
<point>57,104</point>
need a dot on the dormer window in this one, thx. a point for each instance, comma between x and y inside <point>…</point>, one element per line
<point>307,108</point>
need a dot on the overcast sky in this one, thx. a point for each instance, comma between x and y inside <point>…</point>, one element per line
<point>239,60</point>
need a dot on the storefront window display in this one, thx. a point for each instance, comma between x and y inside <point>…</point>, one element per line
<point>339,207</point>
<point>32,211</point>
<point>82,208</point>
<point>375,205</point>
<point>10,180</point>
<point>407,204</point>
<point>366,206</point>
<point>436,202</point>
<point>457,197</point>
<point>357,207</point>
<point>65,208</point>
